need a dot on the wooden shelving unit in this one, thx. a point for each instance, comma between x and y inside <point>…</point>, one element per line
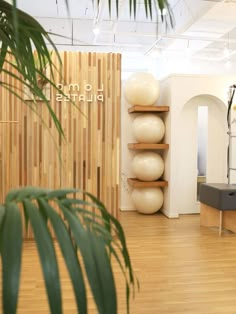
<point>147,146</point>
<point>135,183</point>
<point>137,108</point>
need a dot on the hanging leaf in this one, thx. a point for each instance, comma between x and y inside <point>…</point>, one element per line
<point>96,237</point>
<point>11,251</point>
<point>47,255</point>
<point>69,254</point>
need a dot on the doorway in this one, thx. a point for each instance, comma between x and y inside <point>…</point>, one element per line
<point>203,127</point>
<point>202,137</point>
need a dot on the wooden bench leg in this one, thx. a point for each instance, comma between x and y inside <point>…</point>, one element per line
<point>220,223</point>
<point>212,217</point>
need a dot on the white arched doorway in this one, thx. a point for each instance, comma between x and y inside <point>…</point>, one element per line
<point>187,155</point>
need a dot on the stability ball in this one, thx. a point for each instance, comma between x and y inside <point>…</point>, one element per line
<point>147,200</point>
<point>148,128</point>
<point>141,89</point>
<point>148,166</point>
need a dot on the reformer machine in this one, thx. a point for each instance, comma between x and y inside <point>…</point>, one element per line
<point>230,134</point>
<point>219,199</point>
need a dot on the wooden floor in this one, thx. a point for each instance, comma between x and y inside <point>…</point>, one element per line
<point>182,268</point>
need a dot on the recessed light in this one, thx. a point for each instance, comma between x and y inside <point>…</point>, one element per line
<point>96,30</point>
<point>228,64</point>
<point>226,52</point>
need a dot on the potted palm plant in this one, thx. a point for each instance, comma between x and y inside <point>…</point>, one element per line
<point>98,236</point>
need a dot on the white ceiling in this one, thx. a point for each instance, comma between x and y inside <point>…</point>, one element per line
<point>203,28</point>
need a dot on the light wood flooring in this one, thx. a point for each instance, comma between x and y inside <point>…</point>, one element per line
<point>182,268</point>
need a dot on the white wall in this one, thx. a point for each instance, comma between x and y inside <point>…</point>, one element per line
<point>126,155</point>
<point>165,66</point>
<point>183,93</point>
<point>180,89</point>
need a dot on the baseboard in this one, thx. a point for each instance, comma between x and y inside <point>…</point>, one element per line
<point>188,213</point>
<point>128,209</point>
<point>163,211</point>
<point>168,214</point>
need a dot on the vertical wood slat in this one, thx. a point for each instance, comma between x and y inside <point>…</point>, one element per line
<point>90,156</point>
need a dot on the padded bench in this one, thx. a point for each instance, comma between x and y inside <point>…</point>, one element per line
<point>218,206</point>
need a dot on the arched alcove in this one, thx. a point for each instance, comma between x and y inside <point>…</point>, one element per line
<point>187,154</point>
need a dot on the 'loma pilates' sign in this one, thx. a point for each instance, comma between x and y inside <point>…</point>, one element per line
<point>76,92</point>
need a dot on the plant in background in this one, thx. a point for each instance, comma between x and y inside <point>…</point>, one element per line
<point>78,225</point>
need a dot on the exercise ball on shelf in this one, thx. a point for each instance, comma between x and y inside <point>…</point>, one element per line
<point>148,128</point>
<point>148,166</point>
<point>147,200</point>
<point>141,89</point>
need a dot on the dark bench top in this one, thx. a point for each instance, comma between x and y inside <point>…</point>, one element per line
<point>218,195</point>
<point>221,186</point>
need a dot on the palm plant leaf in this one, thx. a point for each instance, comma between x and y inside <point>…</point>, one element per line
<point>11,237</point>
<point>47,255</point>
<point>68,252</point>
<point>148,7</point>
<point>112,226</point>
<point>98,237</point>
<point>93,250</point>
<point>159,4</point>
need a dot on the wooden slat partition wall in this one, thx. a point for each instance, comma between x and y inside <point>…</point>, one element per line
<point>90,154</point>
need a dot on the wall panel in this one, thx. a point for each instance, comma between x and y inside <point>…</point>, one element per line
<point>29,150</point>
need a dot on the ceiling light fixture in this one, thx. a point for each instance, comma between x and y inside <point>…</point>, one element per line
<point>188,50</point>
<point>226,49</point>
<point>97,18</point>
<point>226,52</point>
<point>228,64</point>
<point>96,30</point>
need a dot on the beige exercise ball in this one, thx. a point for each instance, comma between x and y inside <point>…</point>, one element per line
<point>148,128</point>
<point>147,200</point>
<point>148,166</point>
<point>141,89</point>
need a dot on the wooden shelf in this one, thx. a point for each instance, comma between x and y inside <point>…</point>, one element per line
<point>135,183</point>
<point>137,108</point>
<point>147,146</point>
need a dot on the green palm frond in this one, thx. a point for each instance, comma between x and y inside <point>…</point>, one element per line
<point>98,237</point>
